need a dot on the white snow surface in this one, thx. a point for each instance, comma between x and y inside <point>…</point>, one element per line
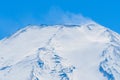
<point>61,52</point>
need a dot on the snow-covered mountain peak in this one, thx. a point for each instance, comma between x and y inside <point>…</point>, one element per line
<point>61,52</point>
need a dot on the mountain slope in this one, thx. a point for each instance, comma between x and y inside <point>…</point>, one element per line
<point>61,52</point>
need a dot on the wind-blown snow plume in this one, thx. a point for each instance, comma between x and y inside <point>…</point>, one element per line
<point>58,16</point>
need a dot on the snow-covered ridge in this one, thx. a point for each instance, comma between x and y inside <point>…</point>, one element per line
<point>61,52</point>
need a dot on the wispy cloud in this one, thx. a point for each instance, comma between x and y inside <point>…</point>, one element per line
<point>58,16</point>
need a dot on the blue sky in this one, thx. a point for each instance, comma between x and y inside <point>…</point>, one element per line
<point>16,14</point>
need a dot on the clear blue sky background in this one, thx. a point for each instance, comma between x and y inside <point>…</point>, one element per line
<point>15,14</point>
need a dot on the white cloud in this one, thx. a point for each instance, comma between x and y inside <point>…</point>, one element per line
<point>58,16</point>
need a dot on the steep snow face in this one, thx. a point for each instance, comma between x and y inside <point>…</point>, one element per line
<point>61,52</point>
